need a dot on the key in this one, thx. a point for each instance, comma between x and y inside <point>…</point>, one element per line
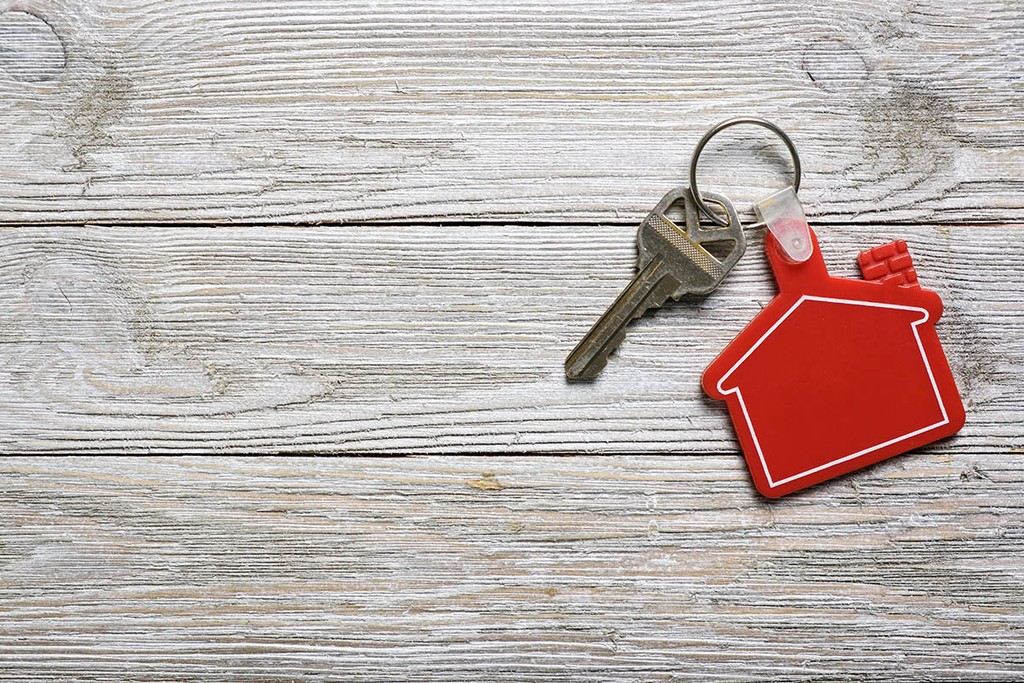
<point>672,262</point>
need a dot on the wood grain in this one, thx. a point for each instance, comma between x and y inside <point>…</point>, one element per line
<point>419,338</point>
<point>244,111</point>
<point>378,227</point>
<point>616,569</point>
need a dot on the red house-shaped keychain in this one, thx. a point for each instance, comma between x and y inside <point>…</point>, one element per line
<point>835,373</point>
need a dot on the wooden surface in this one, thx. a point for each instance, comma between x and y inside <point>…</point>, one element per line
<point>449,568</point>
<point>216,110</point>
<point>377,228</point>
<point>420,338</point>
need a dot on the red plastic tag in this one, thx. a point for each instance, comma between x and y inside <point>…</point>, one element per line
<point>836,373</point>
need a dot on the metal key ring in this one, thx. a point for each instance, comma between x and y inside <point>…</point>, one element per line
<point>718,129</point>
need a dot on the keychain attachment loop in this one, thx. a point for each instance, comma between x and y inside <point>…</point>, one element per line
<point>715,130</point>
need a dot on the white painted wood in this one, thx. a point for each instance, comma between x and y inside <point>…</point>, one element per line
<point>199,110</point>
<point>439,198</point>
<point>421,338</point>
<point>616,569</point>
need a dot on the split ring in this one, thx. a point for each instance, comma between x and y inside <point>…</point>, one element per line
<point>718,129</point>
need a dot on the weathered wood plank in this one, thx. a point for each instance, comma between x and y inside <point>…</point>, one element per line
<point>421,338</point>
<point>415,337</point>
<point>200,110</point>
<point>616,569</point>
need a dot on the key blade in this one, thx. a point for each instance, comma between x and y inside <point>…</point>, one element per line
<point>649,289</point>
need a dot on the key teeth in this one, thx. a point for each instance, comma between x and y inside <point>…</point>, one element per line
<point>591,355</point>
<point>599,362</point>
<point>592,369</point>
<point>642,313</point>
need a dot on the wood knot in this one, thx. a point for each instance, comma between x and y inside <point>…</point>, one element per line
<point>488,482</point>
<point>30,49</point>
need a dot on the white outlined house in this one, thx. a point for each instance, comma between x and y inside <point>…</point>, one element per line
<point>837,373</point>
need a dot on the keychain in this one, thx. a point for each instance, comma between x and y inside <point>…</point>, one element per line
<point>834,374</point>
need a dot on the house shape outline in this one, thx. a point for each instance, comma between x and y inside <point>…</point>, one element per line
<point>772,483</point>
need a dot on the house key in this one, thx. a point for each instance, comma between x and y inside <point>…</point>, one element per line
<point>672,262</point>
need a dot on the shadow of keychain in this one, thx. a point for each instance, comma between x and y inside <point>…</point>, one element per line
<point>835,373</point>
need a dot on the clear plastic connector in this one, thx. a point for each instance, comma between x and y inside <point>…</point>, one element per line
<point>784,216</point>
